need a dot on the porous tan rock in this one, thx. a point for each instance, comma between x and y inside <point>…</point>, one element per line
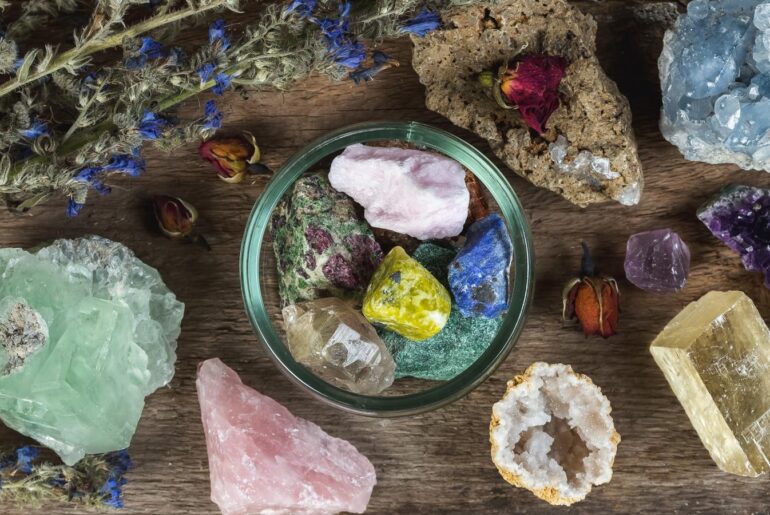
<point>552,434</point>
<point>593,116</point>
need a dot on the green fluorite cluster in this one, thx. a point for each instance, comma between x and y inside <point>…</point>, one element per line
<point>87,330</point>
<point>456,347</point>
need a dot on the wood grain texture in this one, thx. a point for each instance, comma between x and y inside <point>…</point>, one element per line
<point>437,462</point>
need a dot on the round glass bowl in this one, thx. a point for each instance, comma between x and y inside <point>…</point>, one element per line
<point>407,396</point>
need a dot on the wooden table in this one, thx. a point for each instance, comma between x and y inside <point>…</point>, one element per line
<point>439,461</point>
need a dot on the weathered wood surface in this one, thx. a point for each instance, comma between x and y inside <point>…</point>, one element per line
<point>437,462</point>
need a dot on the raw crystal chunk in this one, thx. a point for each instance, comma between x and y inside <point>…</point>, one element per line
<point>552,434</point>
<point>715,354</point>
<point>454,348</point>
<point>478,276</point>
<point>422,194</point>
<point>596,158</point>
<point>322,247</point>
<point>95,332</point>
<point>740,217</point>
<point>657,261</point>
<point>263,459</point>
<point>404,297</point>
<point>337,343</point>
<point>715,75</point>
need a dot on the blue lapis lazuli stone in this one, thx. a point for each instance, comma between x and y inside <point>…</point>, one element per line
<point>478,276</point>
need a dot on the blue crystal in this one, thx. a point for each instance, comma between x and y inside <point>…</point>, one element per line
<point>478,276</point>
<point>715,77</point>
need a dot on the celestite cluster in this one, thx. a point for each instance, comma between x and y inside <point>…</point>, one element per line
<point>87,330</point>
<point>715,76</point>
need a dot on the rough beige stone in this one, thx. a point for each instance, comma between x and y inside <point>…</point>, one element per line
<point>593,115</point>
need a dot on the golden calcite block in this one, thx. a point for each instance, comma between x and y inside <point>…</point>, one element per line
<point>715,354</point>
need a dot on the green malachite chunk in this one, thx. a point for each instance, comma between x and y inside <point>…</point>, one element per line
<point>452,350</point>
<point>87,330</point>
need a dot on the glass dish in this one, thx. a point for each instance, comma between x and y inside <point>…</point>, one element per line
<point>260,292</point>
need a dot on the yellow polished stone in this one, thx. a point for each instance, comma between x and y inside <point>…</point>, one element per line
<point>715,354</point>
<point>405,298</point>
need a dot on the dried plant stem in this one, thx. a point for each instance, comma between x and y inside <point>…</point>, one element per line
<point>94,46</point>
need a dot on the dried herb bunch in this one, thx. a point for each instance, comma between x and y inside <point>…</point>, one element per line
<point>97,480</point>
<point>69,124</point>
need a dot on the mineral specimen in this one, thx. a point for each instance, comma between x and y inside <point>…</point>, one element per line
<point>409,191</point>
<point>404,297</point>
<point>478,207</point>
<point>263,459</point>
<point>657,261</point>
<point>740,217</point>
<point>334,340</point>
<point>322,247</point>
<point>593,116</point>
<point>78,386</point>
<point>552,434</point>
<point>715,354</point>
<point>478,276</point>
<point>452,350</point>
<point>715,76</point>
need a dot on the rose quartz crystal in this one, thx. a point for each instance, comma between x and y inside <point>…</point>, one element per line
<point>263,459</point>
<point>412,192</point>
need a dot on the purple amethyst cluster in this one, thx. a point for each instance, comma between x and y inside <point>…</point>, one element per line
<point>740,217</point>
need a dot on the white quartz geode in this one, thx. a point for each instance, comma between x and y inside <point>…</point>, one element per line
<point>552,434</point>
<point>715,80</point>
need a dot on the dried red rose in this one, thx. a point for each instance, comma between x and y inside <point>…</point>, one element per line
<point>593,300</point>
<point>233,156</point>
<point>176,218</point>
<point>531,85</point>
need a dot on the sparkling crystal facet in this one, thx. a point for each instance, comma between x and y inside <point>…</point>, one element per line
<point>263,459</point>
<point>740,217</point>
<point>337,343</point>
<point>111,338</point>
<point>715,354</point>
<point>657,261</point>
<point>715,76</point>
<point>404,297</point>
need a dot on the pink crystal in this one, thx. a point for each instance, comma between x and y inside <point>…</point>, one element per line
<point>263,459</point>
<point>408,191</point>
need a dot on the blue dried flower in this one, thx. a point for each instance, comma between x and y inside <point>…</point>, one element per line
<point>73,208</point>
<point>217,34</point>
<point>113,489</point>
<point>344,50</point>
<point>303,8</point>
<point>124,163</point>
<point>150,49</point>
<point>120,461</point>
<point>223,82</point>
<point>426,21</point>
<point>212,116</point>
<point>381,62</point>
<point>37,129</point>
<point>206,71</point>
<point>152,125</point>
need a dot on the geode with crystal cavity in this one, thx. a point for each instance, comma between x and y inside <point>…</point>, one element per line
<point>740,217</point>
<point>593,118</point>
<point>112,326</point>
<point>715,77</point>
<point>334,340</point>
<point>263,459</point>
<point>657,261</point>
<point>322,246</point>
<point>552,434</point>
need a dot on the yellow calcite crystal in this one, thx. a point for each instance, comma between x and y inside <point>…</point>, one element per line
<point>715,354</point>
<point>404,297</point>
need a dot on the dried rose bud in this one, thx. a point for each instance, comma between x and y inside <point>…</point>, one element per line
<point>233,156</point>
<point>531,85</point>
<point>593,300</point>
<point>176,218</point>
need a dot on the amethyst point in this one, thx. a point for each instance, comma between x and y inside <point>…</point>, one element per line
<point>657,261</point>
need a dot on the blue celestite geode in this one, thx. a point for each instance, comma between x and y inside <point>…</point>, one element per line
<point>715,78</point>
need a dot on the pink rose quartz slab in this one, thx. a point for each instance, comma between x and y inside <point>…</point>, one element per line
<point>264,460</point>
<point>407,191</point>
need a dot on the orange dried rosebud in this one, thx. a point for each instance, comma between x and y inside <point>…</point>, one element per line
<point>176,218</point>
<point>233,156</point>
<point>593,300</point>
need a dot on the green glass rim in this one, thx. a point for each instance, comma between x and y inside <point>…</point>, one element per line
<point>522,287</point>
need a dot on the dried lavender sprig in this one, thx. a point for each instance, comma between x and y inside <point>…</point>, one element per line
<point>98,37</point>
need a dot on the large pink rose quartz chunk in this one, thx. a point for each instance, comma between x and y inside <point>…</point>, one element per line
<point>264,460</point>
<point>412,192</point>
